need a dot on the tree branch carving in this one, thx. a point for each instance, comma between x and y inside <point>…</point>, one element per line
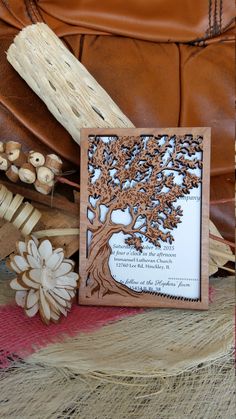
<point>144,175</point>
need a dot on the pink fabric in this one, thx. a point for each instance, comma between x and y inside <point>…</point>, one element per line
<point>21,336</point>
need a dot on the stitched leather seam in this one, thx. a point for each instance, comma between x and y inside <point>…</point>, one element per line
<point>35,11</point>
<point>201,42</point>
<point>32,11</point>
<point>215,14</point>
<point>28,11</point>
<point>31,8</point>
<point>209,16</point>
<point>215,17</point>
<point>221,14</point>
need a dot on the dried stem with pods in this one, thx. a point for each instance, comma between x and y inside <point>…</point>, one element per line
<point>137,174</point>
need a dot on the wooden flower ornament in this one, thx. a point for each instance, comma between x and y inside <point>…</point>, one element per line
<point>45,281</point>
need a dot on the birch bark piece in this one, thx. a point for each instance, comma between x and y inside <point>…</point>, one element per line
<point>69,91</point>
<point>13,173</point>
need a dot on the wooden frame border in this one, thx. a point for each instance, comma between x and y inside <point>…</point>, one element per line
<point>153,301</point>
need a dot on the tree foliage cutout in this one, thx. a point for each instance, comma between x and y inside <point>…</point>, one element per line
<point>144,175</point>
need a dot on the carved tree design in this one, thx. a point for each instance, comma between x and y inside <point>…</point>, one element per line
<point>145,175</point>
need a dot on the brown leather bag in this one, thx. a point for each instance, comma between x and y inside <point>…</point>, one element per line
<point>165,63</point>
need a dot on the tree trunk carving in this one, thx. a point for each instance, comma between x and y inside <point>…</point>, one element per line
<point>99,275</point>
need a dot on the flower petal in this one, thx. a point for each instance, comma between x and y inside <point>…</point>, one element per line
<point>13,266</point>
<point>71,293</point>
<point>32,311</point>
<point>54,305</point>
<point>34,263</point>
<point>62,293</point>
<point>21,247</point>
<point>20,298</point>
<point>32,298</point>
<point>59,250</point>
<point>32,249</point>
<point>44,304</point>
<point>69,261</point>
<point>45,249</point>
<point>35,275</point>
<point>60,260</point>
<point>65,280</point>
<point>73,275</point>
<point>63,310</point>
<point>56,297</point>
<point>64,269</point>
<point>21,263</point>
<point>66,287</point>
<point>54,316</point>
<point>27,281</point>
<point>14,284</point>
<point>54,261</point>
<point>35,240</point>
<point>68,305</point>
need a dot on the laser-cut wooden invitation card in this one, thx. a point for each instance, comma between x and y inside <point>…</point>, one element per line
<point>144,217</point>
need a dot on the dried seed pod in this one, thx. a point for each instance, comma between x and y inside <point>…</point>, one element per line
<point>44,174</point>
<point>44,188</point>
<point>36,159</point>
<point>27,173</point>
<point>12,149</point>
<point>12,145</point>
<point>2,147</point>
<point>14,153</point>
<point>54,163</point>
<point>22,159</point>
<point>13,173</point>
<point>4,163</point>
